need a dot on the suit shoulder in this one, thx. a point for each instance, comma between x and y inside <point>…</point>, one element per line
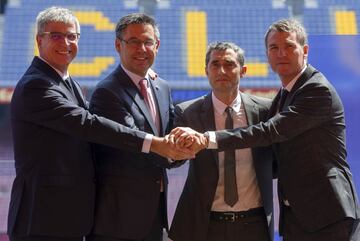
<point>261,102</point>
<point>162,82</point>
<point>35,79</point>
<point>191,105</point>
<point>107,82</point>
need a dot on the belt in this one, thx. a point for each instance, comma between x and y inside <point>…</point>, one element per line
<point>236,216</point>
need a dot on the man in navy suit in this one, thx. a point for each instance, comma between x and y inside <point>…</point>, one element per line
<point>132,189</point>
<point>306,127</point>
<point>53,193</point>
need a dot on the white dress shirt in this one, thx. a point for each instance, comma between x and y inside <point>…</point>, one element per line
<point>247,186</point>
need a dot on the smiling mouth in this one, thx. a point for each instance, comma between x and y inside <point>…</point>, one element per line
<point>63,52</point>
<point>141,58</point>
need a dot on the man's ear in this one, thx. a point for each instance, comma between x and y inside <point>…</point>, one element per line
<point>306,51</point>
<point>243,71</point>
<point>118,45</point>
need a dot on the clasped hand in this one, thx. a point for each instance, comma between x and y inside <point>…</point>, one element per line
<point>181,143</point>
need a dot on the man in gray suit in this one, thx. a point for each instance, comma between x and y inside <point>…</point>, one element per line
<point>317,196</point>
<point>204,211</point>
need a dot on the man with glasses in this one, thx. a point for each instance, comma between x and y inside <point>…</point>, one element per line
<point>53,193</point>
<point>132,191</point>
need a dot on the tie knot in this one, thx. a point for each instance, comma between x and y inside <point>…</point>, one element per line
<point>284,92</point>
<point>143,83</point>
<point>68,84</point>
<point>67,80</point>
<point>229,110</point>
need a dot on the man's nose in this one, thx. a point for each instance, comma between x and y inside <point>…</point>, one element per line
<point>281,52</point>
<point>141,46</point>
<point>221,69</point>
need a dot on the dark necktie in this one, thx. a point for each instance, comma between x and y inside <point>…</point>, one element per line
<point>68,85</point>
<point>231,195</point>
<point>282,99</point>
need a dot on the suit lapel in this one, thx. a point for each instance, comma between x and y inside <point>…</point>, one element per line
<point>251,110</point>
<point>162,102</point>
<point>43,67</point>
<point>252,116</point>
<point>68,93</point>
<point>309,71</point>
<point>55,78</point>
<point>207,118</point>
<point>134,92</point>
<point>79,95</point>
<point>274,106</point>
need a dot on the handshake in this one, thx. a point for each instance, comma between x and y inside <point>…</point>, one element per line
<point>181,143</point>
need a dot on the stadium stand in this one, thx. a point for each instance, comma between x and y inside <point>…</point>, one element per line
<point>186,26</point>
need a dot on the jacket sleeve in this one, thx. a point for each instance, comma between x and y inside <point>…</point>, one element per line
<point>46,105</point>
<point>311,107</point>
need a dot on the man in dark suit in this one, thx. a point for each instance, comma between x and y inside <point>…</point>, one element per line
<point>203,212</point>
<point>53,193</point>
<point>132,189</point>
<point>317,196</point>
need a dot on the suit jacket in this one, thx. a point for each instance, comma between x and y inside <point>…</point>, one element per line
<point>309,142</point>
<point>129,183</point>
<point>192,215</point>
<point>54,189</point>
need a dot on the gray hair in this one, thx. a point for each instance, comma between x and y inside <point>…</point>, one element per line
<point>288,26</point>
<point>240,54</point>
<point>56,14</point>
<point>135,18</point>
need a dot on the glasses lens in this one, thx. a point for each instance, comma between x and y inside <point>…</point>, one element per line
<point>149,43</point>
<point>56,36</point>
<point>134,42</point>
<point>72,36</point>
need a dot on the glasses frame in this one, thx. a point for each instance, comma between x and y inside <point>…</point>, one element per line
<point>60,36</point>
<point>137,43</point>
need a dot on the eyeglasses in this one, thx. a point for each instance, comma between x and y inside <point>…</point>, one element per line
<point>56,36</point>
<point>135,43</point>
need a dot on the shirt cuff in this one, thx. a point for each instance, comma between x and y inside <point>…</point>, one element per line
<point>212,140</point>
<point>147,143</point>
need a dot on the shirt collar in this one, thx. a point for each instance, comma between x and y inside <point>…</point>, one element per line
<point>291,84</point>
<point>62,75</point>
<point>134,77</point>
<point>220,107</point>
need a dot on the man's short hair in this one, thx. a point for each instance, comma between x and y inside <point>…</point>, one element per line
<point>135,18</point>
<point>288,26</point>
<point>240,53</point>
<point>56,14</point>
